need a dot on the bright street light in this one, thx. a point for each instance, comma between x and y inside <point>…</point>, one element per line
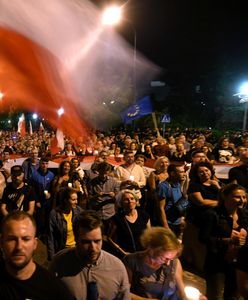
<point>111,15</point>
<point>61,111</point>
<point>35,116</point>
<point>243,96</point>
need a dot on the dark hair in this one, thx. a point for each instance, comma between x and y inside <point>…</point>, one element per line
<point>173,167</point>
<point>140,156</point>
<point>87,220</point>
<point>44,158</point>
<point>194,171</point>
<point>17,215</point>
<point>128,152</point>
<point>64,196</point>
<point>196,152</point>
<point>104,167</point>
<point>77,159</point>
<point>61,166</point>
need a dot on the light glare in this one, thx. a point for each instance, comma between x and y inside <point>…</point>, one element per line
<point>244,89</point>
<point>111,15</point>
<point>61,111</point>
<point>35,116</point>
<point>192,293</point>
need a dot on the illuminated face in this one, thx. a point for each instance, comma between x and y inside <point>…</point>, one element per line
<point>44,166</point>
<point>129,158</point>
<point>164,163</point>
<point>128,201</point>
<point>66,168</point>
<point>73,200</point>
<point>75,163</point>
<point>204,173</point>
<point>198,158</point>
<point>180,173</point>
<point>160,257</point>
<point>236,199</point>
<point>140,161</point>
<point>89,244</point>
<point>18,243</point>
<point>17,179</point>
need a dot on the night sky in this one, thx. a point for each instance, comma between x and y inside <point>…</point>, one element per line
<point>191,38</point>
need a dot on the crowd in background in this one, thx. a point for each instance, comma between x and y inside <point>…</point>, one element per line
<point>130,198</point>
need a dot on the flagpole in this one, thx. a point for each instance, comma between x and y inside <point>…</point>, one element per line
<point>155,123</point>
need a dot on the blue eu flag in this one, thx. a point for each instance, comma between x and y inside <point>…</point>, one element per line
<point>142,108</point>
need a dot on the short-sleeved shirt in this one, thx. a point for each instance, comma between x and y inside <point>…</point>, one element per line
<point>17,199</point>
<point>41,285</point>
<point>208,192</point>
<point>172,193</point>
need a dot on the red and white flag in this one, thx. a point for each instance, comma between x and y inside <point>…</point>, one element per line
<point>58,143</point>
<point>30,128</point>
<point>41,127</point>
<point>21,125</point>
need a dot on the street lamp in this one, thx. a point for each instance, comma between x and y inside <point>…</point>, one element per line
<point>243,96</point>
<point>111,17</point>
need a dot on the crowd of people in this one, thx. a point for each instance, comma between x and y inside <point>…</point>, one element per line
<point>117,231</point>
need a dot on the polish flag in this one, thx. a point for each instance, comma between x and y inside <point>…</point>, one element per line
<point>21,125</point>
<point>41,127</point>
<point>58,143</point>
<point>30,128</point>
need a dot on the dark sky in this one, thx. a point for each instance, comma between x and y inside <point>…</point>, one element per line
<point>189,36</point>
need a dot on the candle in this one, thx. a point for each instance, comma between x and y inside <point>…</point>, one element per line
<point>70,185</point>
<point>192,293</point>
<point>131,177</point>
<point>45,192</point>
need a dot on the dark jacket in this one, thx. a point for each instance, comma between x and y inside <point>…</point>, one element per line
<point>58,230</point>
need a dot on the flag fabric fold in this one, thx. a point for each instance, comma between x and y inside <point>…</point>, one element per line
<point>30,128</point>
<point>58,143</point>
<point>21,126</point>
<point>142,108</point>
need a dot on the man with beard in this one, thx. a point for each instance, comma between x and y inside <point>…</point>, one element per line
<point>87,270</point>
<point>17,195</point>
<point>20,277</point>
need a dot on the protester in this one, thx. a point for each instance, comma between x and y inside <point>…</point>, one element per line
<point>102,192</point>
<point>169,192</point>
<point>20,277</point>
<point>156,272</point>
<point>61,219</point>
<point>127,225</point>
<point>17,195</point>
<point>31,163</point>
<point>224,230</point>
<point>88,271</point>
<point>41,181</point>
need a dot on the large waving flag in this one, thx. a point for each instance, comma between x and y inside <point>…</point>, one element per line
<point>142,108</point>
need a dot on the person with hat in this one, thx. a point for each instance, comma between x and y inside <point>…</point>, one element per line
<point>17,195</point>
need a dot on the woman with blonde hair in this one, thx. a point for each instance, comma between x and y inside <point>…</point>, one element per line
<point>156,272</point>
<point>128,224</point>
